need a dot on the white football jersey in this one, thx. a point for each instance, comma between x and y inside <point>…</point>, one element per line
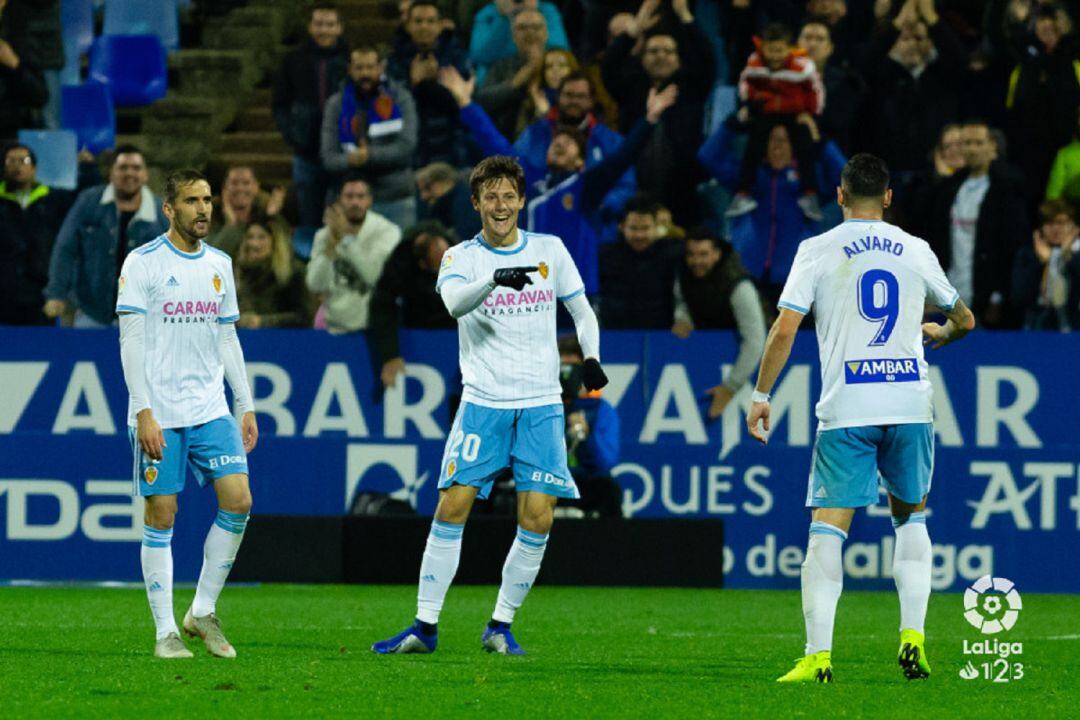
<point>184,296</point>
<point>867,282</point>
<point>507,346</point>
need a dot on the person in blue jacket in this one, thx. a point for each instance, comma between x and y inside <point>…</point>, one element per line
<point>574,107</point>
<point>768,237</point>
<point>562,200</point>
<point>491,38</point>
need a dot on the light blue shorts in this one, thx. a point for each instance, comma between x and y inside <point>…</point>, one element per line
<point>213,450</point>
<point>847,463</point>
<point>484,441</point>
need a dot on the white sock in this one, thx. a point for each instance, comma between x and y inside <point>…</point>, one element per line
<point>519,573</point>
<point>912,562</point>
<point>822,583</point>
<point>157,569</point>
<point>219,554</point>
<point>441,555</point>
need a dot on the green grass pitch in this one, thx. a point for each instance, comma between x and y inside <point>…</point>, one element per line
<point>596,652</point>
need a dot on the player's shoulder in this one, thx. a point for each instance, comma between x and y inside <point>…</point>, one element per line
<point>217,256</point>
<point>143,251</point>
<point>542,239</point>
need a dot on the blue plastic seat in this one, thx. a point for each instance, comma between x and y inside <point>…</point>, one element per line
<point>133,66</point>
<point>87,109</point>
<point>57,156</point>
<point>77,23</point>
<point>144,17</point>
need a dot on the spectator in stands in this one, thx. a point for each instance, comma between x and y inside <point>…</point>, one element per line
<point>348,254</point>
<point>680,55</point>
<point>976,222</point>
<point>308,76</point>
<point>713,291</point>
<point>1065,173</point>
<point>845,31</point>
<point>948,157</point>
<point>914,68</point>
<point>779,86</point>
<point>637,273</point>
<point>575,108</point>
<point>1046,274</point>
<point>241,200</point>
<point>44,45</point>
<point>844,89</point>
<point>543,89</point>
<point>506,85</point>
<point>459,15</point>
<point>1044,94</point>
<point>447,199</point>
<point>270,286</point>
<point>30,217</point>
<point>768,237</point>
<point>105,224</point>
<point>418,54</point>
<point>370,126</point>
<point>592,437</point>
<point>405,294</point>
<point>22,85</point>
<point>564,202</point>
<point>492,37</point>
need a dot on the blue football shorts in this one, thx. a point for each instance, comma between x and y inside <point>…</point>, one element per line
<point>531,441</point>
<point>213,450</point>
<point>848,462</point>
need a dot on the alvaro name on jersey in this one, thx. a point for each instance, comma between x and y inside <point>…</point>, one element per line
<point>868,283</point>
<point>507,346</point>
<point>184,297</point>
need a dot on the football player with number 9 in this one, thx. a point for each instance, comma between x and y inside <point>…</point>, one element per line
<point>868,283</point>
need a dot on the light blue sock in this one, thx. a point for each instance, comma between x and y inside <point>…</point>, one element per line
<point>822,583</point>
<point>219,554</point>
<point>157,569</point>
<point>437,569</point>
<point>519,573</point>
<point>912,569</point>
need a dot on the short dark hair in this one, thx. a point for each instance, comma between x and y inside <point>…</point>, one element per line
<point>126,149</point>
<point>1052,208</point>
<point>323,6</point>
<point>365,49</point>
<point>575,135</point>
<point>491,169</point>
<point>865,176</point>
<point>577,76</point>
<point>776,31</point>
<point>641,204</point>
<point>181,178</point>
<point>702,233</point>
<point>355,176</point>
<point>420,236</point>
<point>19,146</point>
<point>1048,9</point>
<point>422,3</point>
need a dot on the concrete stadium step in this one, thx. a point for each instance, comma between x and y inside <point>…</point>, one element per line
<point>270,168</point>
<point>256,119</point>
<point>267,142</point>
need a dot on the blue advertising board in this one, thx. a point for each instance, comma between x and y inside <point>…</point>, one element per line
<point>1005,498</point>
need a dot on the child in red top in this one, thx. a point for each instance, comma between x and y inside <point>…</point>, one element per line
<point>779,85</point>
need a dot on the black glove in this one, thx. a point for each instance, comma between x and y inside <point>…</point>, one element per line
<point>593,376</point>
<point>515,277</point>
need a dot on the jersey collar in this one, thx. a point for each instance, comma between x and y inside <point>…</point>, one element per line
<point>523,240</point>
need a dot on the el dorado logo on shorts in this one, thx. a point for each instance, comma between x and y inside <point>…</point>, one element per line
<point>992,605</point>
<point>451,469</point>
<point>881,370</point>
<point>543,268</point>
<point>150,474</point>
<point>217,283</point>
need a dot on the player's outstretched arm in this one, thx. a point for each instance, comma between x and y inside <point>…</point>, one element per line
<point>777,350</point>
<point>232,357</point>
<point>960,321</point>
<point>461,297</point>
<point>588,333</point>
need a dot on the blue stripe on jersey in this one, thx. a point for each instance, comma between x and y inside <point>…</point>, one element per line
<point>484,244</point>
<point>186,255</point>
<point>444,278</point>
<point>863,220</point>
<point>130,309</point>
<point>952,303</point>
<point>228,319</point>
<point>793,306</point>
<point>150,246</point>
<point>818,527</point>
<point>214,250</point>
<point>571,296</point>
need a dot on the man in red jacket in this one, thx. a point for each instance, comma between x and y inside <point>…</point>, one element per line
<point>779,86</point>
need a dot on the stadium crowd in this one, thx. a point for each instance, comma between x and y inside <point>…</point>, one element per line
<point>684,218</point>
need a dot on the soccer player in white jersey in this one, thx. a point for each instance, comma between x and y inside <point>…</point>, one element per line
<point>868,283</point>
<point>177,308</point>
<point>502,286</point>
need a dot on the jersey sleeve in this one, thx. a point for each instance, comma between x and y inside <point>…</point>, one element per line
<point>939,291</point>
<point>798,294</point>
<point>229,312</point>
<point>133,287</point>
<point>457,266</point>
<point>568,283</point>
